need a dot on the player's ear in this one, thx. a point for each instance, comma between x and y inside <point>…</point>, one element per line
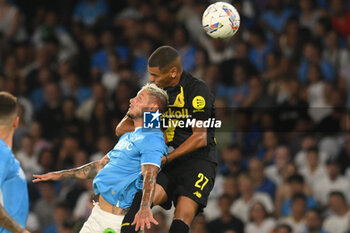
<point>173,72</point>
<point>154,107</point>
<point>15,122</point>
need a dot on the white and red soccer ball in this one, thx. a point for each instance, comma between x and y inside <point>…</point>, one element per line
<point>220,20</point>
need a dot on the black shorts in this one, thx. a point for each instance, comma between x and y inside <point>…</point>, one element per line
<point>193,178</point>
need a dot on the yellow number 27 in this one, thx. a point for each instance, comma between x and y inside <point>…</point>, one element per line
<point>200,180</point>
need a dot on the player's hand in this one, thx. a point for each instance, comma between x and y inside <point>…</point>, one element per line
<point>46,177</point>
<point>144,218</point>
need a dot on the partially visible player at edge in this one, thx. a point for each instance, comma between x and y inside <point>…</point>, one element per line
<point>134,160</point>
<point>189,173</point>
<point>14,202</point>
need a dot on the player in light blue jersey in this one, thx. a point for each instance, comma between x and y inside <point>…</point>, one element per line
<point>14,202</point>
<point>132,165</point>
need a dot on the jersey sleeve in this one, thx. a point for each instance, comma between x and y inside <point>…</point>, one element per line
<point>4,162</point>
<point>201,102</point>
<point>152,150</point>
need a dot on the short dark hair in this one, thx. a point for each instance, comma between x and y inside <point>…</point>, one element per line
<point>296,178</point>
<point>316,211</point>
<point>332,161</point>
<point>312,149</point>
<point>298,196</point>
<point>338,194</point>
<point>162,57</point>
<point>285,226</point>
<point>8,108</point>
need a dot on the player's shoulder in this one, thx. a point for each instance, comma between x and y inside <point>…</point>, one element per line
<point>150,140</point>
<point>148,136</point>
<point>6,153</point>
<point>193,83</point>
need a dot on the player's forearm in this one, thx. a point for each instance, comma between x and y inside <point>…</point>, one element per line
<point>195,141</point>
<point>7,222</point>
<point>124,126</point>
<point>149,183</point>
<point>87,171</point>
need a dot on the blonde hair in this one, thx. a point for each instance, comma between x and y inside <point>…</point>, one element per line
<point>161,96</point>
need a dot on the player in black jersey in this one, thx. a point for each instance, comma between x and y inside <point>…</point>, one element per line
<point>189,169</point>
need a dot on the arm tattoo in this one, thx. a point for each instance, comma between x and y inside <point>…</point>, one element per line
<point>149,182</point>
<point>8,222</point>
<point>87,171</point>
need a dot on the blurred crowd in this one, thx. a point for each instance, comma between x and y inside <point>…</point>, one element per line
<point>282,87</point>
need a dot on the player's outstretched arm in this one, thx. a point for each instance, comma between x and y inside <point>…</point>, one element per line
<point>87,171</point>
<point>124,126</point>
<point>144,216</point>
<point>7,222</point>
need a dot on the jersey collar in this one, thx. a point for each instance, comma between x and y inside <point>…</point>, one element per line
<point>137,128</point>
<point>2,142</point>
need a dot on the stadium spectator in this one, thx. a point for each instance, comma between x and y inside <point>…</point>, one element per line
<point>283,191</point>
<point>242,205</point>
<point>259,49</point>
<point>226,221</point>
<point>11,25</point>
<point>313,222</point>
<point>338,221</point>
<point>28,158</point>
<point>308,141</point>
<point>281,161</point>
<point>266,152</point>
<point>312,54</point>
<point>236,93</point>
<point>233,161</point>
<point>61,214</point>
<point>297,218</point>
<point>309,14</point>
<point>259,220</point>
<point>333,181</point>
<point>84,204</point>
<point>228,188</point>
<point>49,30</point>
<point>337,57</point>
<point>89,12</point>
<point>260,182</point>
<point>293,108</point>
<point>283,228</point>
<point>46,159</point>
<point>84,111</point>
<point>297,186</point>
<point>344,156</point>
<point>313,171</point>
<point>340,17</point>
<point>45,206</point>
<point>290,38</point>
<point>276,16</point>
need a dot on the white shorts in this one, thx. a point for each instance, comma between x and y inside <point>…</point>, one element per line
<point>102,222</point>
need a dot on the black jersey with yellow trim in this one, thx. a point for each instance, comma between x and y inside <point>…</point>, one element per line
<point>190,100</point>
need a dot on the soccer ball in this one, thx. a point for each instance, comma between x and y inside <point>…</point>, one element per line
<point>220,20</point>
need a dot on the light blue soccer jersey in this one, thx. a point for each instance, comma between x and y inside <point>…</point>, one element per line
<point>121,178</point>
<point>13,187</point>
